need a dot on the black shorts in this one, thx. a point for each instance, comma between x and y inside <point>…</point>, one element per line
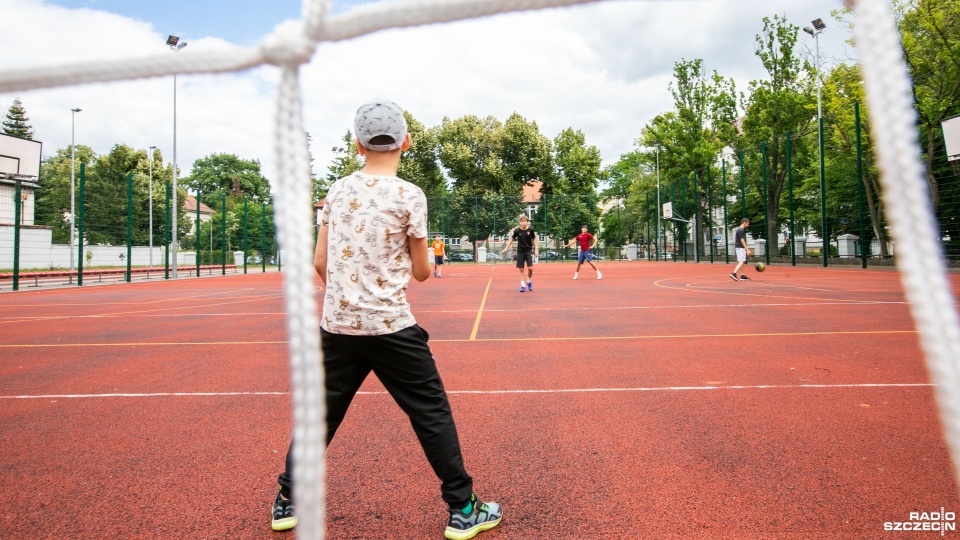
<point>524,257</point>
<point>438,259</point>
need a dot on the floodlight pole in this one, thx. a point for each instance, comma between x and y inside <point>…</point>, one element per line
<point>150,195</point>
<point>73,125</point>
<point>818,27</point>
<point>175,46</point>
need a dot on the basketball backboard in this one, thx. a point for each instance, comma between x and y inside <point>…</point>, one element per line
<point>951,137</point>
<point>668,210</point>
<point>20,157</point>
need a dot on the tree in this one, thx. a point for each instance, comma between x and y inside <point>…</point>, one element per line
<point>691,136</point>
<point>571,201</point>
<point>53,195</point>
<point>930,31</point>
<point>418,164</point>
<point>346,161</point>
<point>16,123</point>
<point>780,103</point>
<point>219,173</point>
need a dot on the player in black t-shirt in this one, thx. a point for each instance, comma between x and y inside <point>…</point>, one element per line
<point>527,250</point>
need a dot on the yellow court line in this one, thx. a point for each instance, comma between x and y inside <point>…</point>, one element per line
<point>490,340</point>
<point>476,323</point>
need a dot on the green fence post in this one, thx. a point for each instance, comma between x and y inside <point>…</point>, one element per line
<point>683,215</point>
<point>713,242</point>
<point>743,187</point>
<point>673,224</point>
<point>696,221</point>
<point>196,236</point>
<point>166,249</point>
<point>793,243</point>
<point>223,234</point>
<point>244,235</point>
<point>766,206</point>
<point>861,195</point>
<point>129,225</point>
<point>263,237</point>
<point>80,223</point>
<point>16,235</point>
<point>726,244</point>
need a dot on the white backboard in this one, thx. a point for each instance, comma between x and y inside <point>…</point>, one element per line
<point>20,156</point>
<point>668,210</point>
<point>951,136</point>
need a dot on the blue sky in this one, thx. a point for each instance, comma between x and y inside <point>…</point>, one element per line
<point>601,68</point>
<point>241,22</point>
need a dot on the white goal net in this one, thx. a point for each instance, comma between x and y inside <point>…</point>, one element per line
<point>293,44</point>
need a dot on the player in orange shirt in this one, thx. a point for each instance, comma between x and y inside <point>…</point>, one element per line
<point>438,255</point>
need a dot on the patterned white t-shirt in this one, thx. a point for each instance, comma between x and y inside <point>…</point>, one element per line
<point>368,256</point>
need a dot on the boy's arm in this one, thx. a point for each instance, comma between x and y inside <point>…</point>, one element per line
<point>320,254</point>
<point>420,263</point>
<point>594,244</point>
<point>536,246</point>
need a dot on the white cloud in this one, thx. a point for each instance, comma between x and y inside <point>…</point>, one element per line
<point>600,68</point>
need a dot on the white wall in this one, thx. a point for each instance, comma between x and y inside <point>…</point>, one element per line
<point>37,251</point>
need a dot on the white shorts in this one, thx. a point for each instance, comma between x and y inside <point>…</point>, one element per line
<point>741,254</point>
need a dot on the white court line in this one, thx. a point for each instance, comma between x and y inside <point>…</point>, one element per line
<point>493,392</point>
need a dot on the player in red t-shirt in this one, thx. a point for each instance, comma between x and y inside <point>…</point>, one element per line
<point>587,242</point>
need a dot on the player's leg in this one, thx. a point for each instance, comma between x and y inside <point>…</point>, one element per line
<point>344,374</point>
<point>521,262</point>
<point>530,275</point>
<point>589,259</point>
<point>406,367</point>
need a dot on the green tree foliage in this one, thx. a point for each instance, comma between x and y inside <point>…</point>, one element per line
<point>219,173</point>
<point>782,102</point>
<point>420,164</point>
<point>53,196</point>
<point>930,30</point>
<point>16,123</point>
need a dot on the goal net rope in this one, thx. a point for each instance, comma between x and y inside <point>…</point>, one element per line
<point>293,43</point>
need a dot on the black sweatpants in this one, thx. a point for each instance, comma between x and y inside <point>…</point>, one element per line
<point>404,364</point>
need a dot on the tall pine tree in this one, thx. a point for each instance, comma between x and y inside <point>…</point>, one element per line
<point>16,123</point>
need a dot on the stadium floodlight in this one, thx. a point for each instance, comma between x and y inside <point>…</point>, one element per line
<point>809,30</point>
<point>818,24</point>
<point>175,45</point>
<point>73,124</point>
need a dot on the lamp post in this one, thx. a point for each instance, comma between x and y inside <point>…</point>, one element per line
<point>818,27</point>
<point>150,195</point>
<point>175,45</point>
<point>73,124</point>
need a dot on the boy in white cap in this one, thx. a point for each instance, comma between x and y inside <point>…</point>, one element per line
<point>371,223</point>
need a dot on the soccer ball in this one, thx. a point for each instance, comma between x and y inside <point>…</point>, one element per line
<point>760,267</point>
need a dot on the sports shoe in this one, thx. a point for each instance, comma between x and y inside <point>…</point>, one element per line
<point>522,288</point>
<point>599,275</point>
<point>530,286</point>
<point>481,517</point>
<point>734,277</point>
<point>743,277</point>
<point>575,274</point>
<point>284,517</point>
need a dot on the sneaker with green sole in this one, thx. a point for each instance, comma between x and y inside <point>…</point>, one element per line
<point>480,517</point>
<point>284,516</point>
